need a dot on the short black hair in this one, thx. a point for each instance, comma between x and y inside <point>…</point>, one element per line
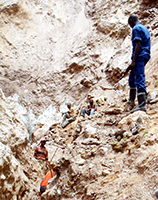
<point>91,101</point>
<point>133,18</point>
<point>69,105</point>
<point>43,189</point>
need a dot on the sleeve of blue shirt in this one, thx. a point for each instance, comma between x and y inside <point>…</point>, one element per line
<point>136,35</point>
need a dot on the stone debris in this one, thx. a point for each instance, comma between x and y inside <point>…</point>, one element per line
<point>91,141</point>
<point>114,111</point>
<point>136,129</point>
<point>152,97</point>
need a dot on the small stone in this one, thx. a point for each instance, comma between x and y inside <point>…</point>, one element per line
<point>114,110</point>
<point>80,161</point>
<point>129,134</point>
<point>124,134</point>
<point>119,138</point>
<point>136,130</point>
<point>119,132</point>
<point>139,120</point>
<point>132,126</point>
<point>91,141</point>
<point>103,150</point>
<point>105,172</point>
<point>3,177</point>
<point>71,183</point>
<point>59,191</point>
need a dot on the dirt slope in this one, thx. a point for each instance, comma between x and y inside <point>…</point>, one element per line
<point>53,52</point>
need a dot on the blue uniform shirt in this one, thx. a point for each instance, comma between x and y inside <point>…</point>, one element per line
<point>141,33</point>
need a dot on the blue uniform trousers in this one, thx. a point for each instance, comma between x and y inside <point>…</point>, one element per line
<point>137,76</point>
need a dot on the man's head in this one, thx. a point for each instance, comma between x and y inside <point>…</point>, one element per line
<point>132,20</point>
<point>43,189</point>
<point>43,142</point>
<point>91,101</point>
<point>69,105</point>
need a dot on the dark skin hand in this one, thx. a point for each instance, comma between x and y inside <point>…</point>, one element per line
<point>136,53</point>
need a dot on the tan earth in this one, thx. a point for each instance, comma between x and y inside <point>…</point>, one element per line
<point>55,52</point>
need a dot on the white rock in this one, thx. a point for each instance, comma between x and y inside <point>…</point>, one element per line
<point>105,172</point>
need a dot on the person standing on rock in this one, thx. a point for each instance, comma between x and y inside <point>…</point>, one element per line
<point>140,56</point>
<point>41,154</point>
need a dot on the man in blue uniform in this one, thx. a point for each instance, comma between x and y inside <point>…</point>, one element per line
<point>140,56</point>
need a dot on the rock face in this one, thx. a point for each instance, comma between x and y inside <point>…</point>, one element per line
<point>55,52</point>
<point>19,171</point>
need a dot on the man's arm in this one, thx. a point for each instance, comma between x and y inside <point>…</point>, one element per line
<point>136,53</point>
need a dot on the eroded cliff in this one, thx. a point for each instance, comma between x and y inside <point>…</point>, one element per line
<point>53,52</point>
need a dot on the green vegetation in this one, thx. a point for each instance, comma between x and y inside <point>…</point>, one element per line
<point>1,4</point>
<point>125,138</point>
<point>116,147</point>
<point>145,132</point>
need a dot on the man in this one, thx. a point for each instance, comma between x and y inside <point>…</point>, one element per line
<point>140,56</point>
<point>44,183</point>
<point>41,154</point>
<point>69,116</point>
<point>91,108</point>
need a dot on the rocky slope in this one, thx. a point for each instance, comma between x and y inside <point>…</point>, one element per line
<point>53,52</point>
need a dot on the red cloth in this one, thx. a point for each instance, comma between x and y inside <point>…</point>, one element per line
<point>41,153</point>
<point>46,178</point>
<point>93,107</point>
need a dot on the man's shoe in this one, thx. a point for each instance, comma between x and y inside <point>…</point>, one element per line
<point>130,103</point>
<point>141,102</point>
